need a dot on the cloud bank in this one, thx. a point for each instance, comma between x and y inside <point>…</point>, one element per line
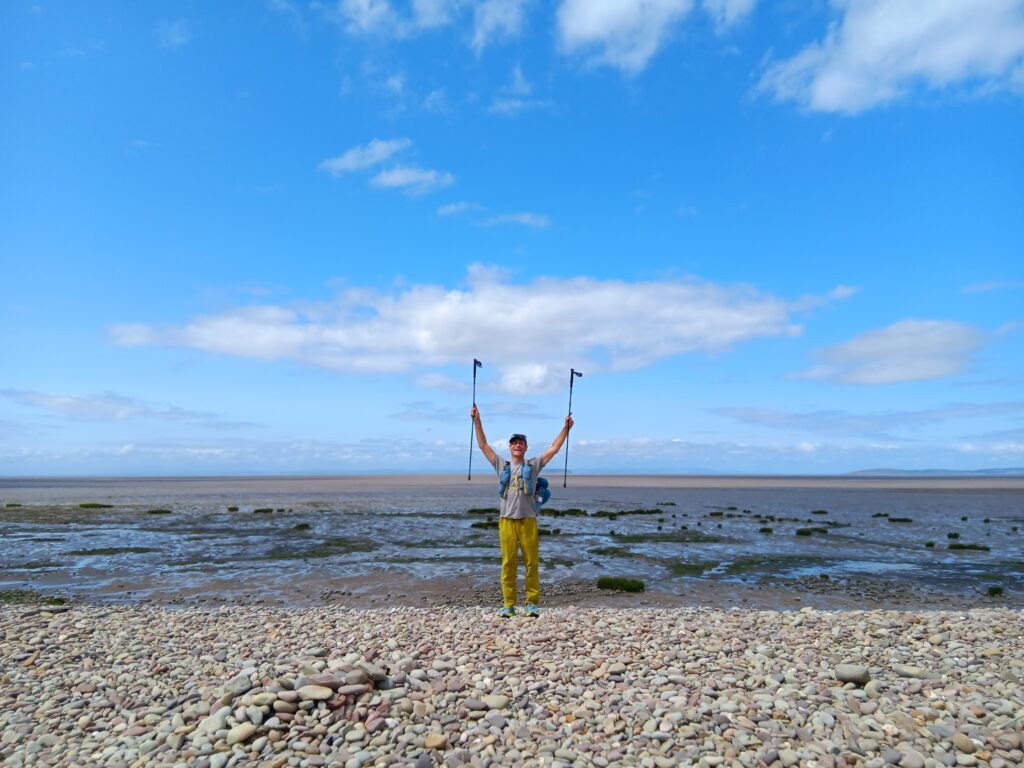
<point>114,407</point>
<point>558,323</point>
<point>910,350</point>
<point>410,178</point>
<point>491,19</point>
<point>620,33</point>
<point>843,423</point>
<point>878,50</point>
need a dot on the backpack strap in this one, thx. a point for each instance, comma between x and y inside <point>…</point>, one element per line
<point>527,475</point>
<point>503,479</point>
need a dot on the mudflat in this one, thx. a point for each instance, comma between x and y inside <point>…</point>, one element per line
<point>421,540</point>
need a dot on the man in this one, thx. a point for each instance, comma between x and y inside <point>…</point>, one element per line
<point>517,525</point>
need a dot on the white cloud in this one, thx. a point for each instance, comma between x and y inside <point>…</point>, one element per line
<point>626,33</point>
<point>519,85</point>
<point>436,101</point>
<point>434,13</point>
<point>411,178</point>
<point>879,50</point>
<point>173,34</point>
<point>600,323</point>
<point>496,19</point>
<point>843,292</point>
<point>725,13</point>
<point>454,209</point>
<point>288,9</point>
<point>910,350</point>
<point>359,158</point>
<point>510,106</point>
<point>527,219</point>
<point>993,285</point>
<point>113,407</point>
<point>492,19</point>
<point>424,410</point>
<point>873,423</point>
<point>441,381</point>
<point>514,97</point>
<point>364,16</point>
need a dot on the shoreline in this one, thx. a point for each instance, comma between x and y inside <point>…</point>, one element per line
<point>349,482</point>
<point>384,590</point>
<point>219,687</point>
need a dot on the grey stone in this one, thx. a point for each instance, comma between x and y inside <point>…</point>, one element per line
<point>852,673</point>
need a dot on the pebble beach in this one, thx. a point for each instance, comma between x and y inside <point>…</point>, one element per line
<point>144,685</point>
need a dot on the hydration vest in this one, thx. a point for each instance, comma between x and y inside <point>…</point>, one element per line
<point>540,491</point>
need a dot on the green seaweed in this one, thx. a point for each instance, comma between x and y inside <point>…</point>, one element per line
<point>953,535</point>
<point>901,520</point>
<point>485,524</point>
<point>262,511</point>
<point>810,531</point>
<point>692,569</point>
<point>930,544</point>
<point>995,591</point>
<point>956,545</point>
<point>158,511</point>
<point>37,565</point>
<point>557,562</point>
<point>819,512</point>
<point>483,511</point>
<point>300,527</point>
<point>620,584</point>
<point>571,512</point>
<point>612,552</point>
<point>27,597</point>
<point>766,529</point>
<point>332,547</point>
<point>12,505</point>
<point>232,509</point>
<point>95,505</point>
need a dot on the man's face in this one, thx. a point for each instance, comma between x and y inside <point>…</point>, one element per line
<point>517,448</point>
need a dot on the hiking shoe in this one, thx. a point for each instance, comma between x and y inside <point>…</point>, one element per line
<point>508,612</point>
<point>532,610</point>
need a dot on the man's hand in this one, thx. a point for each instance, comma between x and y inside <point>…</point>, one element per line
<point>568,423</point>
<point>474,414</point>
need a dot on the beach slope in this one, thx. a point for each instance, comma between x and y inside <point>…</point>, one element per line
<point>146,685</point>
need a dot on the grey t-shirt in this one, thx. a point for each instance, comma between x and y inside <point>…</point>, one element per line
<point>518,503</point>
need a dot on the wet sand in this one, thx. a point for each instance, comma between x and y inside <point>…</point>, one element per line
<point>411,540</point>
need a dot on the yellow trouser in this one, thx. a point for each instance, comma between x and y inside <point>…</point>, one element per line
<point>515,535</point>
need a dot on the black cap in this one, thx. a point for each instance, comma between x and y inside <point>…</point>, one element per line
<point>517,436</point>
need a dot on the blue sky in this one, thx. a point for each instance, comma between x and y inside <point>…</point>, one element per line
<point>272,236</point>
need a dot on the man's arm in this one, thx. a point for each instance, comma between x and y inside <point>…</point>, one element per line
<point>556,446</point>
<point>481,439</point>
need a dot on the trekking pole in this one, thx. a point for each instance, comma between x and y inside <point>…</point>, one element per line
<point>472,426</point>
<point>573,373</point>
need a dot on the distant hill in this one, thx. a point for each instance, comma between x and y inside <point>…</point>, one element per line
<point>1009,471</point>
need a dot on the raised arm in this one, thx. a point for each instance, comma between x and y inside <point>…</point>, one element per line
<point>481,439</point>
<point>556,446</point>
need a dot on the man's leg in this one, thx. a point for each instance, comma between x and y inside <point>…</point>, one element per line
<point>509,559</point>
<point>531,559</point>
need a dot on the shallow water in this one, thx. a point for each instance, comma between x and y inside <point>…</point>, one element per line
<point>414,530</point>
